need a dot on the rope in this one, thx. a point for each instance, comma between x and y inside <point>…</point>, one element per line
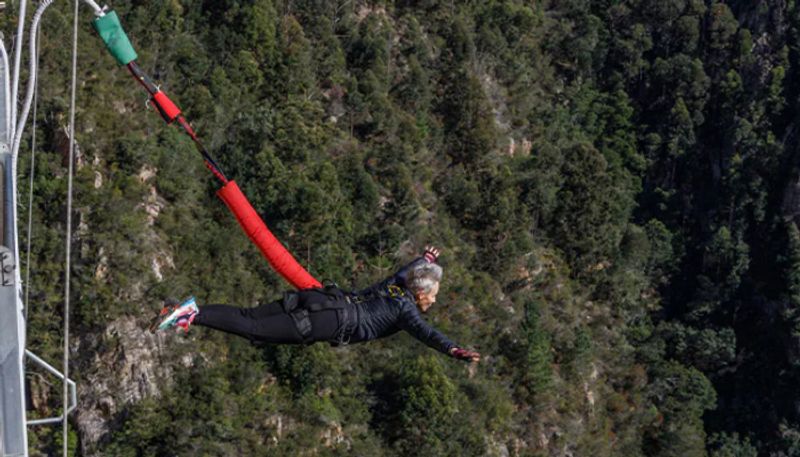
<point>69,221</point>
<point>20,37</point>
<point>18,132</point>
<point>33,69</point>
<point>7,92</point>
<point>98,11</point>
<point>30,189</point>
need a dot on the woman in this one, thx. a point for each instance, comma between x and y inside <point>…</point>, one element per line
<point>331,314</point>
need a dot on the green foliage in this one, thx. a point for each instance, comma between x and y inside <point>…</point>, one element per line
<point>724,445</point>
<point>228,399</point>
<point>790,439</point>
<point>429,416</point>
<point>793,264</point>
<point>468,122</point>
<point>582,222</point>
<point>707,349</point>
<point>685,395</point>
<point>538,375</point>
<point>304,369</point>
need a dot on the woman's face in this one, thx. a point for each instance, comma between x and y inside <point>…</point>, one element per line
<point>425,300</point>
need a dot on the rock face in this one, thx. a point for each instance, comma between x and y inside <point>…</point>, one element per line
<point>127,365</point>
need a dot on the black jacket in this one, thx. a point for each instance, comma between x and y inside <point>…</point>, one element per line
<point>388,307</point>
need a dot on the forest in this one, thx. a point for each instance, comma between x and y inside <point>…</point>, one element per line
<point>615,185</point>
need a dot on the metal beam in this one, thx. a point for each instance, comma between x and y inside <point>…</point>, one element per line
<point>12,338</point>
<point>14,433</point>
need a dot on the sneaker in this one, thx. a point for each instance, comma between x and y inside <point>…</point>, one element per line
<point>179,317</point>
<point>169,306</point>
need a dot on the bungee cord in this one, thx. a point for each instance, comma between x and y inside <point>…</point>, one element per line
<point>110,29</point>
<point>171,113</point>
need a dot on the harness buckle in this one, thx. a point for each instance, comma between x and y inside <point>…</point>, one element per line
<point>395,291</point>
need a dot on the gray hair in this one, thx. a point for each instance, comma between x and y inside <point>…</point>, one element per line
<point>423,277</point>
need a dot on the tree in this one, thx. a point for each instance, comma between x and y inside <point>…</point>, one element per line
<point>682,395</point>
<point>583,225</point>
<point>731,445</point>
<point>468,121</point>
<point>537,375</point>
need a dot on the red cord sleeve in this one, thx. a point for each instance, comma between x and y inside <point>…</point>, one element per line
<point>168,109</point>
<point>279,258</point>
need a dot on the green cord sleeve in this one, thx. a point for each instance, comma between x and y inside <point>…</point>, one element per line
<point>110,30</point>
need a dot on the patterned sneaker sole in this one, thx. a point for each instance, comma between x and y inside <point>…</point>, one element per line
<point>185,310</point>
<point>159,317</point>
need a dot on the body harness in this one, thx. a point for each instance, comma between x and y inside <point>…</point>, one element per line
<point>330,297</point>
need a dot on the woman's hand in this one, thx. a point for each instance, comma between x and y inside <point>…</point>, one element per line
<point>465,354</point>
<point>431,253</point>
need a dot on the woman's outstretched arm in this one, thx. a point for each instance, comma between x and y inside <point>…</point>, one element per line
<point>411,321</point>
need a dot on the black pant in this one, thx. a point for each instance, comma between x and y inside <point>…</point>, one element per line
<point>267,323</point>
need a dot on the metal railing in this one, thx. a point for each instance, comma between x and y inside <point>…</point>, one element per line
<point>73,390</point>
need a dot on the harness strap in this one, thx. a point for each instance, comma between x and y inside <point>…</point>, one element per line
<point>303,324</point>
<point>299,304</point>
